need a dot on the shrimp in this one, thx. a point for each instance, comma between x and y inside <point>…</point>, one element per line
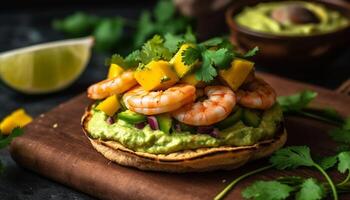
<point>157,102</point>
<point>218,106</point>
<point>256,94</point>
<point>116,85</point>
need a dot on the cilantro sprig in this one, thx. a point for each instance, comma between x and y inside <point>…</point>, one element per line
<point>6,140</point>
<point>297,104</point>
<point>299,156</point>
<point>215,54</point>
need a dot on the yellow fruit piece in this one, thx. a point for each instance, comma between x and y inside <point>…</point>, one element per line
<point>18,118</point>
<point>156,75</point>
<point>114,71</point>
<point>191,79</point>
<point>180,68</point>
<point>237,73</point>
<point>110,105</point>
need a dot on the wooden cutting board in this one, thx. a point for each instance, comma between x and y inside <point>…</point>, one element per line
<point>54,146</point>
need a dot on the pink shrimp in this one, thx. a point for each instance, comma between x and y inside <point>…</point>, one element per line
<point>256,94</point>
<point>157,102</point>
<point>116,85</point>
<point>218,106</point>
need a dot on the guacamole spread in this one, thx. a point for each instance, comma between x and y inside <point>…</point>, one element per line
<point>158,142</point>
<point>258,18</point>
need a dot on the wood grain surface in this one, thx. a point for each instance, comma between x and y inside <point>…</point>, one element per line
<point>54,146</point>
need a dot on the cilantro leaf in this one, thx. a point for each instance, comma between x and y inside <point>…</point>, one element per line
<point>328,162</point>
<point>297,101</point>
<point>154,49</point>
<point>145,28</point>
<point>251,52</point>
<point>340,135</point>
<point>221,58</point>
<point>206,72</point>
<point>164,10</point>
<point>292,157</point>
<point>226,44</point>
<point>212,42</point>
<point>133,59</point>
<point>117,59</point>
<point>108,33</point>
<point>344,162</point>
<point>267,190</point>
<point>172,42</point>
<point>311,190</point>
<point>7,140</point>
<point>76,25</point>
<point>191,55</point>
<point>189,35</point>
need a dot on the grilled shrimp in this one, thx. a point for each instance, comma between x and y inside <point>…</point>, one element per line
<point>157,102</point>
<point>217,107</point>
<point>116,85</point>
<point>256,94</point>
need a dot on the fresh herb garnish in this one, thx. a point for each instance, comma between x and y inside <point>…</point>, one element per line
<point>342,135</point>
<point>215,54</point>
<point>108,31</point>
<point>299,156</point>
<point>263,190</point>
<point>296,104</point>
<point>6,140</point>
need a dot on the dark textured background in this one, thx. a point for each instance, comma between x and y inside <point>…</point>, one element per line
<point>26,22</point>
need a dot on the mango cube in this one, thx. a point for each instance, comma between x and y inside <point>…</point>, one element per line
<point>18,118</point>
<point>180,68</point>
<point>237,73</point>
<point>191,79</point>
<point>110,105</point>
<point>114,71</point>
<point>156,75</point>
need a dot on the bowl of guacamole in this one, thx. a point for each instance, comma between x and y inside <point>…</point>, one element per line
<point>290,33</point>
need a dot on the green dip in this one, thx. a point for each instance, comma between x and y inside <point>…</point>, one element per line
<point>258,18</point>
<point>158,142</point>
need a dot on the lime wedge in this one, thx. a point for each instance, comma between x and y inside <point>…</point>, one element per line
<point>45,68</point>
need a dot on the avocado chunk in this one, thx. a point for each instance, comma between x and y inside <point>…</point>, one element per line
<point>230,120</point>
<point>251,118</point>
<point>131,117</point>
<point>164,122</point>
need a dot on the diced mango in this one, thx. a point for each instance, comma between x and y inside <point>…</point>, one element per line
<point>18,118</point>
<point>191,79</point>
<point>110,105</point>
<point>180,68</point>
<point>237,73</point>
<point>156,75</point>
<point>114,71</point>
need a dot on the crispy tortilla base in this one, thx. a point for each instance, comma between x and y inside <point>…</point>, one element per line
<point>198,160</point>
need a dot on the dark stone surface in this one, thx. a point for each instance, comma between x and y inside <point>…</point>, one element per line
<point>22,27</point>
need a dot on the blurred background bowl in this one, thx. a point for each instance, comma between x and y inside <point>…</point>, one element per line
<point>287,53</point>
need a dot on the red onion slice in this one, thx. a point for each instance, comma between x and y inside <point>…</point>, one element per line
<point>110,120</point>
<point>140,125</point>
<point>153,123</point>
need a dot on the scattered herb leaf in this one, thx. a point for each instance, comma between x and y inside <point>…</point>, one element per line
<point>251,52</point>
<point>267,190</point>
<point>297,101</point>
<point>311,190</point>
<point>7,140</point>
<point>328,162</point>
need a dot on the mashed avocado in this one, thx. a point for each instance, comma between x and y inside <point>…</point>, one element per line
<point>258,18</point>
<point>158,142</point>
